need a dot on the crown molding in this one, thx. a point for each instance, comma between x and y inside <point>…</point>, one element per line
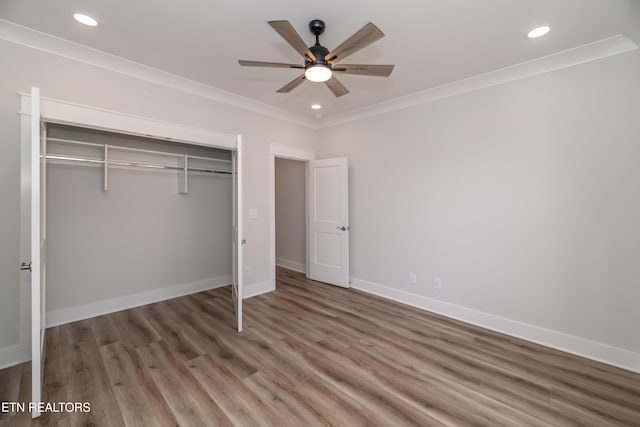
<point>567,58</point>
<point>34,39</point>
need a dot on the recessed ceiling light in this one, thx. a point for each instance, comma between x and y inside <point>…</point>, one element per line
<point>85,19</point>
<point>539,32</point>
<point>316,106</point>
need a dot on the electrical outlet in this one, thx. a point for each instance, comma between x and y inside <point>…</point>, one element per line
<point>412,278</point>
<point>437,283</point>
<point>247,271</point>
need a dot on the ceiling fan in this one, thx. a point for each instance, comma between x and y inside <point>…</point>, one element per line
<point>320,64</point>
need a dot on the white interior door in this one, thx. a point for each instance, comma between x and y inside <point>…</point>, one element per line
<point>36,217</point>
<point>237,239</point>
<point>328,196</point>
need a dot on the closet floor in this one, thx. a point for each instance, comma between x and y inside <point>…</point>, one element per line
<point>313,355</point>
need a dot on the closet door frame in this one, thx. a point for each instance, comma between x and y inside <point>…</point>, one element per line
<point>61,112</point>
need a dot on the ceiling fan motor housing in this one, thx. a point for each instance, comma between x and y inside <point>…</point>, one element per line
<point>317,27</point>
<point>319,52</point>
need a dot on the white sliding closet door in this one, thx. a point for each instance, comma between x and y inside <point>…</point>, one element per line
<point>34,218</point>
<point>237,233</point>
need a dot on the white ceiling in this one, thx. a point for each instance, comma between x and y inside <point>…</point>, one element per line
<point>431,42</point>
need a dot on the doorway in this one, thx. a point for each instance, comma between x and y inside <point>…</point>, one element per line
<point>326,217</point>
<point>290,214</point>
<point>277,151</point>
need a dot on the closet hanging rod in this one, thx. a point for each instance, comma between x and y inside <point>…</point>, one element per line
<point>143,151</point>
<point>113,147</point>
<point>121,162</point>
<point>133,164</point>
<point>137,150</point>
<point>70,141</point>
<point>208,158</point>
<point>73,158</point>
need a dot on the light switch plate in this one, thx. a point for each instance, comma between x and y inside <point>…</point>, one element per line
<point>253,213</point>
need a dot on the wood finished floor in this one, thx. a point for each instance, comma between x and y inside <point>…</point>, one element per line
<point>313,355</point>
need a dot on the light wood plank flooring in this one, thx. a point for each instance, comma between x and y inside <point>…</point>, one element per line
<point>313,355</point>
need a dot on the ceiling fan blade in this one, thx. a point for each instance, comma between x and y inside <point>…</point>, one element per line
<point>267,64</point>
<point>367,35</point>
<point>336,87</point>
<point>286,30</point>
<point>364,69</point>
<point>292,84</point>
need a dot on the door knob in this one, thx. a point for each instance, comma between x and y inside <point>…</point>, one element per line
<point>343,228</point>
<point>25,266</point>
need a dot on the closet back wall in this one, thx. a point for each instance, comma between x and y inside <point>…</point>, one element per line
<point>141,236</point>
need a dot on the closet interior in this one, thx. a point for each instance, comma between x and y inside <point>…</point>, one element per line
<point>129,217</point>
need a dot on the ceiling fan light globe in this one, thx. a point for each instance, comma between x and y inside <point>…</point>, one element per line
<point>318,73</point>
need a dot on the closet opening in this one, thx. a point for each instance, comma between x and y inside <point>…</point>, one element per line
<point>132,220</point>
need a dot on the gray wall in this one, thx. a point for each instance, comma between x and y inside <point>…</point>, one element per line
<point>633,22</point>
<point>523,198</point>
<point>68,80</point>
<point>290,212</point>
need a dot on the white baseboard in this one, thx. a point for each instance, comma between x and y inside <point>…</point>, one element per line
<point>291,265</point>
<point>13,355</point>
<point>80,312</point>
<point>259,288</point>
<point>600,352</point>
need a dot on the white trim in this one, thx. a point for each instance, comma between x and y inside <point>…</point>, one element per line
<point>13,355</point>
<point>291,265</point>
<point>272,219</point>
<point>600,352</point>
<point>34,39</point>
<point>239,238</point>
<point>293,153</point>
<point>259,288</point>
<point>86,311</point>
<point>566,58</point>
<point>38,258</point>
<point>56,111</point>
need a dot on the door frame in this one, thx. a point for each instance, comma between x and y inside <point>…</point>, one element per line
<point>291,153</point>
<point>67,113</point>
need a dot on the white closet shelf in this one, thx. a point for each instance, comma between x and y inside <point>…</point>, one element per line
<point>181,167</point>
<point>137,150</point>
